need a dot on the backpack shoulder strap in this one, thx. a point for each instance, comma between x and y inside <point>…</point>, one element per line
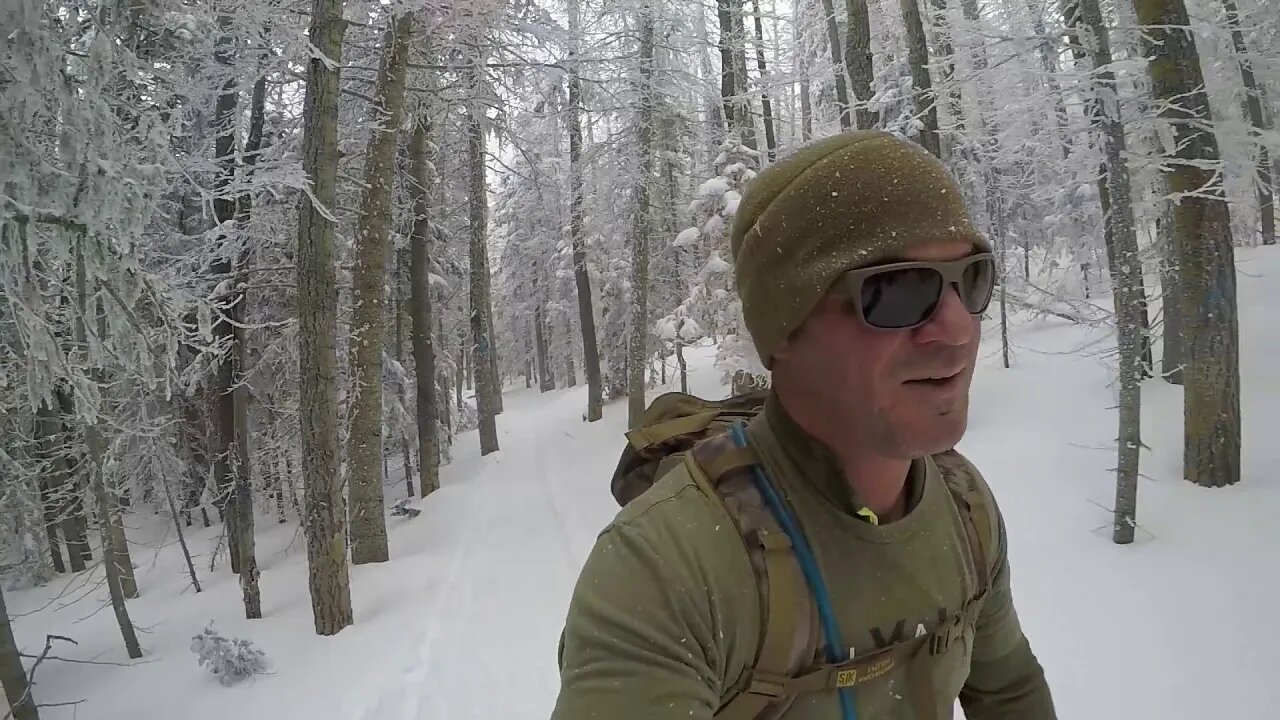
<point>977,512</point>
<point>789,626</point>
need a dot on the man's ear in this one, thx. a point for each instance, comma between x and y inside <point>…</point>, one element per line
<point>781,352</point>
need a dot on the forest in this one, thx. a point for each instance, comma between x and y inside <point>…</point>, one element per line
<point>275,266</point>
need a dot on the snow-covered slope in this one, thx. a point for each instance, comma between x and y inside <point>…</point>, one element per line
<point>464,621</point>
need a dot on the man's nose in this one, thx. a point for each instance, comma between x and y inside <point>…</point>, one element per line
<point>951,324</point>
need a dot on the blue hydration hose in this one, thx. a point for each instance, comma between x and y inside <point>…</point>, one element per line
<point>808,565</point>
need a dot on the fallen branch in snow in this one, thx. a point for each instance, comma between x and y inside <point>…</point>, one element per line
<point>1070,314</point>
<point>1025,305</point>
<point>401,508</point>
<point>1077,305</point>
<point>31,676</point>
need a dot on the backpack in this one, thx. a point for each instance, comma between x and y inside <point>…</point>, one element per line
<point>681,428</point>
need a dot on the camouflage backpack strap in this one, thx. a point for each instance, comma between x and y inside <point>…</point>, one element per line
<point>789,629</point>
<point>976,512</point>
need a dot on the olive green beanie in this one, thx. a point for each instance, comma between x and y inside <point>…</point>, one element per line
<point>855,199</point>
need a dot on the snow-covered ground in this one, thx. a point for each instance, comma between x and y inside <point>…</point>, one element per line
<point>463,622</point>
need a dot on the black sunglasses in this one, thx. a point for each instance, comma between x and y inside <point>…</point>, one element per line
<point>903,295</point>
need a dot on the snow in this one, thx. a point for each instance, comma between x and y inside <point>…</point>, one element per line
<point>732,198</point>
<point>714,187</point>
<point>463,622</point>
<point>688,236</point>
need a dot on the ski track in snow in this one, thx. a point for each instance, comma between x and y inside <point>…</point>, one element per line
<point>514,546</point>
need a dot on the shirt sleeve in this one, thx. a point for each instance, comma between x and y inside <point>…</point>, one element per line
<point>646,635</point>
<point>1005,679</point>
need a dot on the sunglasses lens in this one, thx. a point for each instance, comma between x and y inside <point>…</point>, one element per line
<point>900,298</point>
<point>977,283</point>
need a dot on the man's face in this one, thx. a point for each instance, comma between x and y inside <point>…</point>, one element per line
<point>895,393</point>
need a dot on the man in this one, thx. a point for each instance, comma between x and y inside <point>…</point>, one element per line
<point>871,362</point>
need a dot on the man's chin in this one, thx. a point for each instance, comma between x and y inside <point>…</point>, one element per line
<point>944,432</point>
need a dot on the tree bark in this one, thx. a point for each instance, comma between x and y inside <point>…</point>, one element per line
<point>838,66</point>
<point>244,544</point>
<point>318,311</point>
<point>495,387</point>
<point>481,335</point>
<point>364,431</point>
<point>1122,256</point>
<point>729,83</point>
<point>116,563</point>
<point>639,335</point>
<point>922,86</point>
<point>1261,125</point>
<point>13,677</point>
<point>1202,229</point>
<point>75,526</point>
<point>402,262</point>
<point>766,106</point>
<point>800,64</point>
<point>1049,64</point>
<point>421,181</point>
<point>744,114</point>
<point>860,68</point>
<point>570,371</point>
<point>577,232</point>
<point>229,243</point>
<point>54,487</point>
<point>182,537</point>
<point>1172,355</point>
<point>546,378</point>
<point>1083,50</point>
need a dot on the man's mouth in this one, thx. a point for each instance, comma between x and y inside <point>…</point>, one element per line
<point>937,380</point>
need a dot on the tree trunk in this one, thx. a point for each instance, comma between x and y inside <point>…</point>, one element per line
<point>318,312</point>
<point>177,526</point>
<point>922,86</point>
<point>116,563</point>
<point>729,84</point>
<point>13,677</point>
<point>75,526</point>
<point>1049,64</point>
<point>577,233</point>
<point>800,65</point>
<point>49,515</point>
<point>1122,256</point>
<point>242,505</point>
<point>1260,122</point>
<point>639,335</point>
<point>571,373</point>
<point>421,156</point>
<point>1072,12</point>
<point>766,106</point>
<point>995,216</point>
<point>481,336</point>
<point>54,487</point>
<point>402,262</point>
<point>229,244</point>
<point>495,387</point>
<point>858,56</point>
<point>745,112</point>
<point>364,431</point>
<point>838,63</point>
<point>1202,229</point>
<point>1171,305</point>
<point>546,378</point>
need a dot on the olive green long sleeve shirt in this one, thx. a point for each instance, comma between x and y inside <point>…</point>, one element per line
<point>664,622</point>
